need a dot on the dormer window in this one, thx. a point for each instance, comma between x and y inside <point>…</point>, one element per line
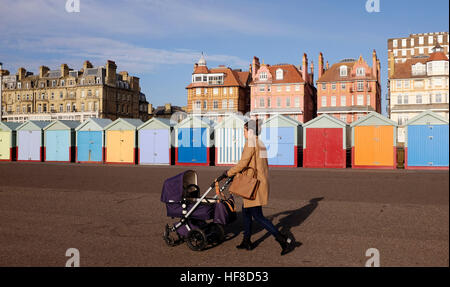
<point>360,72</point>
<point>279,75</point>
<point>343,71</point>
<point>263,76</point>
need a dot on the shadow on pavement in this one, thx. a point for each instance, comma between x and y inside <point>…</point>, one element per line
<point>289,219</point>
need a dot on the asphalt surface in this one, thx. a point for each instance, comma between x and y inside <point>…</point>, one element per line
<point>114,217</point>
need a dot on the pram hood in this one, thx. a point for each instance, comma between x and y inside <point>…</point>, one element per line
<point>173,187</point>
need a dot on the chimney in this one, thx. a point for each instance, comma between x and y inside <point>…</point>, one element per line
<point>43,70</point>
<point>22,73</point>
<point>87,65</point>
<point>124,75</point>
<point>305,68</point>
<point>378,70</point>
<point>150,109</point>
<point>374,64</point>
<point>312,72</point>
<point>111,73</point>
<point>327,66</point>
<point>255,66</point>
<point>391,64</point>
<point>64,70</point>
<point>168,108</point>
<point>320,65</point>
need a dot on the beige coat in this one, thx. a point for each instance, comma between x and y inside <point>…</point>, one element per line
<point>254,156</point>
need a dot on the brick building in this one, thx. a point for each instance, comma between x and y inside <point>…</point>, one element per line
<point>283,89</point>
<point>349,89</point>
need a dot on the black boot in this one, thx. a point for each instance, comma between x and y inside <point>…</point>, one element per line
<point>245,244</point>
<point>285,243</point>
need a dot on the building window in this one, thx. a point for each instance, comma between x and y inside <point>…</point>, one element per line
<point>205,105</point>
<point>288,101</point>
<point>61,108</point>
<point>278,88</point>
<point>261,102</point>
<point>68,108</point>
<point>74,108</point>
<point>297,102</point>
<point>288,88</point>
<point>97,92</point>
<point>89,93</point>
<point>438,98</point>
<point>269,88</point>
<point>395,43</point>
<point>263,76</point>
<point>231,104</point>
<point>343,71</point>
<point>368,100</point>
<point>343,101</point>
<point>215,105</point>
<point>297,88</point>
<point>61,95</point>
<point>82,107</point>
<point>406,84</point>
<point>198,105</point>
<point>269,102</point>
<point>324,86</point>
<point>430,39</point>
<point>225,91</point>
<point>96,106</point>
<point>343,118</point>
<point>82,94</point>
<point>421,50</point>
<point>343,86</point>
<point>262,88</point>
<point>333,86</point>
<point>324,101</point>
<point>360,100</point>
<point>198,91</point>
<point>39,109</point>
<point>53,83</point>
<point>405,99</point>
<point>399,100</point>
<point>418,99</point>
<point>215,91</point>
<point>231,91</point>
<point>420,40</point>
<point>398,84</point>
<point>360,72</point>
<point>403,42</point>
<point>333,101</point>
<point>360,86</point>
<point>224,104</point>
<point>278,102</point>
<point>279,74</point>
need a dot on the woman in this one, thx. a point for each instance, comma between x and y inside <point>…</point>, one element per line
<point>254,157</point>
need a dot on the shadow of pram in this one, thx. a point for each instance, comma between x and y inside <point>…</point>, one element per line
<point>289,219</point>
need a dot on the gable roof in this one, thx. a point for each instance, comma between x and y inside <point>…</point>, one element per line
<point>202,121</point>
<point>290,74</point>
<point>11,126</point>
<point>231,77</point>
<point>325,117</point>
<point>428,114</point>
<point>404,70</point>
<point>66,123</point>
<point>437,56</point>
<point>281,117</point>
<point>38,124</point>
<point>100,123</point>
<point>164,122</point>
<point>374,115</point>
<point>231,117</point>
<point>131,123</point>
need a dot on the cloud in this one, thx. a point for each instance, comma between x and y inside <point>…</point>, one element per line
<point>135,58</point>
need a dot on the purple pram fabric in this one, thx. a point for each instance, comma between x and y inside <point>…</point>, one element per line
<point>173,188</point>
<point>202,211</point>
<point>222,214</point>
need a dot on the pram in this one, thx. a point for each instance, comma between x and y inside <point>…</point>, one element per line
<point>200,222</point>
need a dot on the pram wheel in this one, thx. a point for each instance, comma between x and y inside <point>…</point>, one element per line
<point>170,241</point>
<point>196,239</point>
<point>218,232</point>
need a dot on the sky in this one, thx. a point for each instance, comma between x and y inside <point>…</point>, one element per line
<point>160,40</point>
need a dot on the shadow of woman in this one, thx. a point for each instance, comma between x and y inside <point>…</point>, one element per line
<point>289,220</point>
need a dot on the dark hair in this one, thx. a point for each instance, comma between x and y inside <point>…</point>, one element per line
<point>252,125</point>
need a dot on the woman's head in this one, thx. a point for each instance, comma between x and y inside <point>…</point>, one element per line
<point>251,128</point>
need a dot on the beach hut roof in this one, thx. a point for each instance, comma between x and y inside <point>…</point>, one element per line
<point>201,121</point>
<point>373,118</point>
<point>159,121</point>
<point>325,120</point>
<point>131,123</point>
<point>37,124</point>
<point>231,118</point>
<point>11,126</point>
<point>100,123</point>
<point>65,123</point>
<point>426,118</point>
<point>282,119</point>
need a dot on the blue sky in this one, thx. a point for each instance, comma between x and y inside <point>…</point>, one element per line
<point>160,40</point>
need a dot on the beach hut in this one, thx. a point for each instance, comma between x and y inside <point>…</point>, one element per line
<point>325,142</point>
<point>121,141</point>
<point>426,144</point>
<point>229,140</point>
<point>90,140</point>
<point>8,141</point>
<point>282,137</point>
<point>30,141</point>
<point>155,142</point>
<point>374,140</point>
<point>194,141</point>
<point>59,141</point>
